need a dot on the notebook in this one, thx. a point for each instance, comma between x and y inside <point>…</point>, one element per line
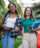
<point>36,24</point>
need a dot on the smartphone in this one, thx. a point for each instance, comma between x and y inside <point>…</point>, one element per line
<point>30,27</point>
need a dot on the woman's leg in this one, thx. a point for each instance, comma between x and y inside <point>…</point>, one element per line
<point>25,41</point>
<point>4,41</point>
<point>33,41</point>
<point>11,42</point>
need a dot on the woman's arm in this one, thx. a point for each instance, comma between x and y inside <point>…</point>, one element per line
<point>22,30</point>
<point>7,29</point>
<point>18,25</point>
<point>37,29</point>
<point>16,28</point>
<point>34,29</point>
<point>1,26</point>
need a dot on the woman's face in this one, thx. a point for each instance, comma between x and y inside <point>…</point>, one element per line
<point>12,8</point>
<point>28,12</point>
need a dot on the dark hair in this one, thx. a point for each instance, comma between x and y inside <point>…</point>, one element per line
<point>16,12</point>
<point>10,4</point>
<point>31,15</point>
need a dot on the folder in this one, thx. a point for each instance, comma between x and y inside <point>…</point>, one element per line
<point>36,24</point>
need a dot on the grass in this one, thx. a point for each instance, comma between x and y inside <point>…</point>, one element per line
<point>0,44</point>
<point>17,43</point>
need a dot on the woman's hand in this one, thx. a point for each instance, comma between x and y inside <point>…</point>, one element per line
<point>31,29</point>
<point>22,30</point>
<point>22,33</point>
<point>1,26</point>
<point>16,29</point>
<point>7,29</point>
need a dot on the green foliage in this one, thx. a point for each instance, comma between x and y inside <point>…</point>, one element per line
<point>0,44</point>
<point>36,9</point>
<point>2,8</point>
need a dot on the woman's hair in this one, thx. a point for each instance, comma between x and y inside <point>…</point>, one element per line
<point>16,12</point>
<point>10,4</point>
<point>31,15</point>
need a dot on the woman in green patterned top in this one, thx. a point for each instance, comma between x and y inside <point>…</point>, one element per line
<point>29,37</point>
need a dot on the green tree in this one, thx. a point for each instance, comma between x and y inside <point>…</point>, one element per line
<point>2,7</point>
<point>2,10</point>
<point>36,9</point>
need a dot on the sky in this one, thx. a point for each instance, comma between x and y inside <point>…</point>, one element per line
<point>24,1</point>
<point>28,1</point>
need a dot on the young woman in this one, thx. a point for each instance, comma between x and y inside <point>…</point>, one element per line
<point>10,26</point>
<point>29,37</point>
